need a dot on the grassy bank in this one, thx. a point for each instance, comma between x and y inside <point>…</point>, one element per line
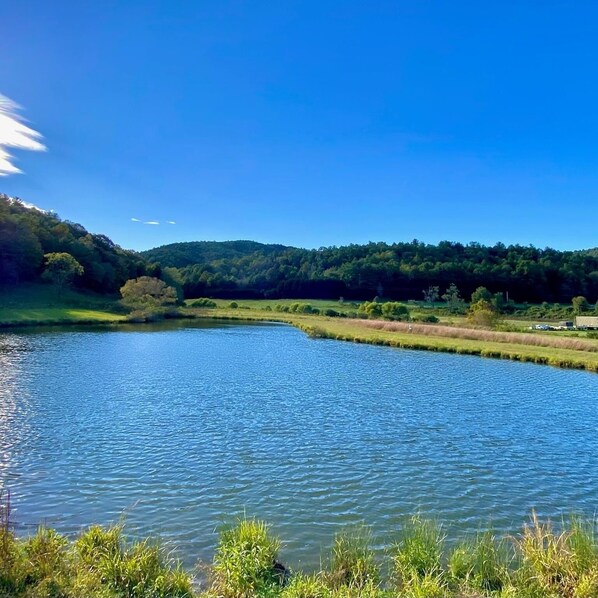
<point>533,347</point>
<point>538,562</point>
<point>35,304</point>
<point>43,305</point>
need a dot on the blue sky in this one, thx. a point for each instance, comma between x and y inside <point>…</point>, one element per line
<point>309,123</point>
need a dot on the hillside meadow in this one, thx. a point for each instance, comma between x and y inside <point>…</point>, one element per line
<point>38,304</point>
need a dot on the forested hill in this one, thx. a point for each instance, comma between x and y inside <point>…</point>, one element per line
<point>397,271</point>
<point>27,233</point>
<point>179,255</point>
<point>239,269</point>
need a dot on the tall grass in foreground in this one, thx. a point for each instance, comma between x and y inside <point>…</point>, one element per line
<point>98,564</point>
<point>352,561</point>
<point>245,562</point>
<point>539,562</point>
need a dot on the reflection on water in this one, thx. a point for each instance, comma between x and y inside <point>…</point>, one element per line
<point>14,404</point>
<point>181,428</point>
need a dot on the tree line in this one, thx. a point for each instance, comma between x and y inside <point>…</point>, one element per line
<point>397,271</point>
<point>36,245</point>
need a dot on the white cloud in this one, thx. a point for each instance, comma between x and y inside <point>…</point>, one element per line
<point>15,134</point>
<point>152,222</point>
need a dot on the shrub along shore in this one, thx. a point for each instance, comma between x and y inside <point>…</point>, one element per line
<point>538,562</point>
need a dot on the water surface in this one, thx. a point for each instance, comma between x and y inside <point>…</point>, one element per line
<point>180,427</point>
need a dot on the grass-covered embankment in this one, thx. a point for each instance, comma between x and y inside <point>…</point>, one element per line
<point>534,347</point>
<point>42,305</point>
<point>539,562</point>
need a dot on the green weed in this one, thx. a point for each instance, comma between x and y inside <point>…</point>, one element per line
<point>245,561</point>
<point>352,562</point>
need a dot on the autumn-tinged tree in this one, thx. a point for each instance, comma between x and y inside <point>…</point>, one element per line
<point>482,313</point>
<point>147,292</point>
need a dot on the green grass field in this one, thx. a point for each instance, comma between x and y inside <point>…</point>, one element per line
<point>43,305</point>
<point>322,304</point>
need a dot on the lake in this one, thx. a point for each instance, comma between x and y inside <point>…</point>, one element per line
<point>179,427</point>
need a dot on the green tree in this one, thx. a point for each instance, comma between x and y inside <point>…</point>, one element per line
<point>61,269</point>
<point>20,251</point>
<point>431,295</point>
<point>580,305</point>
<point>454,302</point>
<point>481,294</point>
<point>147,293</point>
<point>498,302</point>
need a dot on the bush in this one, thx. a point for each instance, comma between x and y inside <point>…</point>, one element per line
<point>370,309</point>
<point>483,314</point>
<point>395,311</point>
<point>140,316</point>
<point>245,561</point>
<point>205,303</point>
<point>427,318</point>
<point>233,305</point>
<point>303,308</point>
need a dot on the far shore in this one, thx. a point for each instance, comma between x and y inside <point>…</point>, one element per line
<point>449,335</point>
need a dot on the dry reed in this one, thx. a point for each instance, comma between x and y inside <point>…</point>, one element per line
<point>519,338</point>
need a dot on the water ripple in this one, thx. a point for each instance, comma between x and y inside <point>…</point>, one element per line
<point>181,428</point>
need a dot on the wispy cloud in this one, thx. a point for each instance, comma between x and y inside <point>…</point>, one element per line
<point>151,222</point>
<point>15,134</point>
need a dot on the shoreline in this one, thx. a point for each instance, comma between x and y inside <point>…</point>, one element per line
<point>346,330</point>
<point>419,337</point>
